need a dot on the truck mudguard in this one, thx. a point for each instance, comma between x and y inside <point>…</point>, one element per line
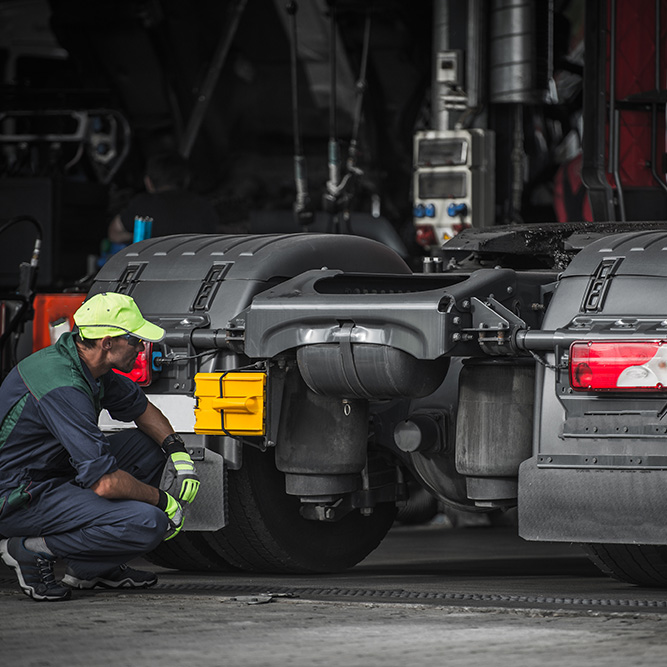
<point>599,466</point>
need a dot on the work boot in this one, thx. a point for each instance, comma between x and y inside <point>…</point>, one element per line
<point>34,571</point>
<point>120,577</point>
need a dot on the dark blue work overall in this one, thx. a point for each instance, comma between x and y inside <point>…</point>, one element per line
<point>52,451</point>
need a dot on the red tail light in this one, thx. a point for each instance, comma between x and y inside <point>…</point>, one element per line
<point>618,366</point>
<point>142,372</point>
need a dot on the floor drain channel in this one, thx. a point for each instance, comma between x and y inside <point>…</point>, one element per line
<point>415,595</point>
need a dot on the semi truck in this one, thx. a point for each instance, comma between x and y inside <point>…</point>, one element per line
<point>313,375</point>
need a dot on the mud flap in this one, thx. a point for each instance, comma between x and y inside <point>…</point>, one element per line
<point>209,509</point>
<point>596,505</point>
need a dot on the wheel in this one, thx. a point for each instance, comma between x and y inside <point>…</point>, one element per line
<point>641,564</point>
<point>188,551</point>
<point>266,533</point>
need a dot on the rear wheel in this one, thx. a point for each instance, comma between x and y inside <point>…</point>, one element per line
<point>266,532</point>
<point>641,564</point>
<point>188,551</point>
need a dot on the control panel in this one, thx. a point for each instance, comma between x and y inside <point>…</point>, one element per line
<point>454,182</point>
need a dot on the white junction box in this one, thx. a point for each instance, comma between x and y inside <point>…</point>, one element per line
<point>454,181</point>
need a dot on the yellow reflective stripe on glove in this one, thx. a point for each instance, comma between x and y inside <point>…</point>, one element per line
<point>172,508</point>
<point>180,477</point>
<point>183,462</point>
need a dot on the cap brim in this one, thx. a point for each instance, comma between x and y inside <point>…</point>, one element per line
<point>150,332</point>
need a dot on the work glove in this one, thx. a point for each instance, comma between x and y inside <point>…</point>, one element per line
<point>179,478</point>
<point>175,513</point>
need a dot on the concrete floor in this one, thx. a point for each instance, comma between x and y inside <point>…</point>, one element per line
<point>488,598</point>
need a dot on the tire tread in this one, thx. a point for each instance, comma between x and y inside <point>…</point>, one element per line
<point>640,564</point>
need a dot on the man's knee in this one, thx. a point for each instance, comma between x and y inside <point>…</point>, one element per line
<point>145,527</point>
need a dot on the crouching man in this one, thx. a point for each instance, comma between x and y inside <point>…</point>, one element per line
<point>67,491</point>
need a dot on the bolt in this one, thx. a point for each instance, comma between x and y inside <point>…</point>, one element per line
<point>510,289</point>
<point>366,511</point>
<point>456,320</point>
<point>456,337</point>
<point>465,304</point>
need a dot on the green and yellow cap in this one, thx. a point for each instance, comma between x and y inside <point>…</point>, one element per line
<point>112,314</point>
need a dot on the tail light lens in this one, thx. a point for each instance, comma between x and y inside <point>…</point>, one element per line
<point>618,366</point>
<point>142,372</point>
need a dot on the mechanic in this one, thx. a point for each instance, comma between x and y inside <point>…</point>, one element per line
<point>69,492</point>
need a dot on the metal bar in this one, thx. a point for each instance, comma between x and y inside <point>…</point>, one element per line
<point>302,209</point>
<point>211,80</point>
<point>654,105</point>
<point>615,162</point>
<point>593,173</point>
<point>612,88</point>
<point>475,56</point>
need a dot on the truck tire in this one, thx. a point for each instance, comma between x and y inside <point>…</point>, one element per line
<point>644,565</point>
<point>188,551</point>
<point>266,533</point>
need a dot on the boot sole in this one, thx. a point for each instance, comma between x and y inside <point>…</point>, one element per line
<point>10,561</point>
<point>99,582</point>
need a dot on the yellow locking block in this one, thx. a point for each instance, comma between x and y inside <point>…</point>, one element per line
<point>231,402</point>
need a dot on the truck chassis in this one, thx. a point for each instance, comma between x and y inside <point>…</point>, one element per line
<point>461,380</point>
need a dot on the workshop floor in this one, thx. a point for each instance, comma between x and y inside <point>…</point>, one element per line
<point>429,595</point>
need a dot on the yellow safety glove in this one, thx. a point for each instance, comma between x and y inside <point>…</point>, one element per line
<point>179,477</point>
<point>172,508</point>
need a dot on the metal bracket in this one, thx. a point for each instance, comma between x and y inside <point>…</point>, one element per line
<point>489,317</point>
<point>197,453</point>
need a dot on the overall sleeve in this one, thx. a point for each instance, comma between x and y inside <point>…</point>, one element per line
<point>70,416</point>
<point>123,398</point>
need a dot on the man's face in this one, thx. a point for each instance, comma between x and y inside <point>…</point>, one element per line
<point>124,354</point>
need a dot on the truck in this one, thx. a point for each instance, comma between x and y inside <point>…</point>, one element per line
<point>313,375</point>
